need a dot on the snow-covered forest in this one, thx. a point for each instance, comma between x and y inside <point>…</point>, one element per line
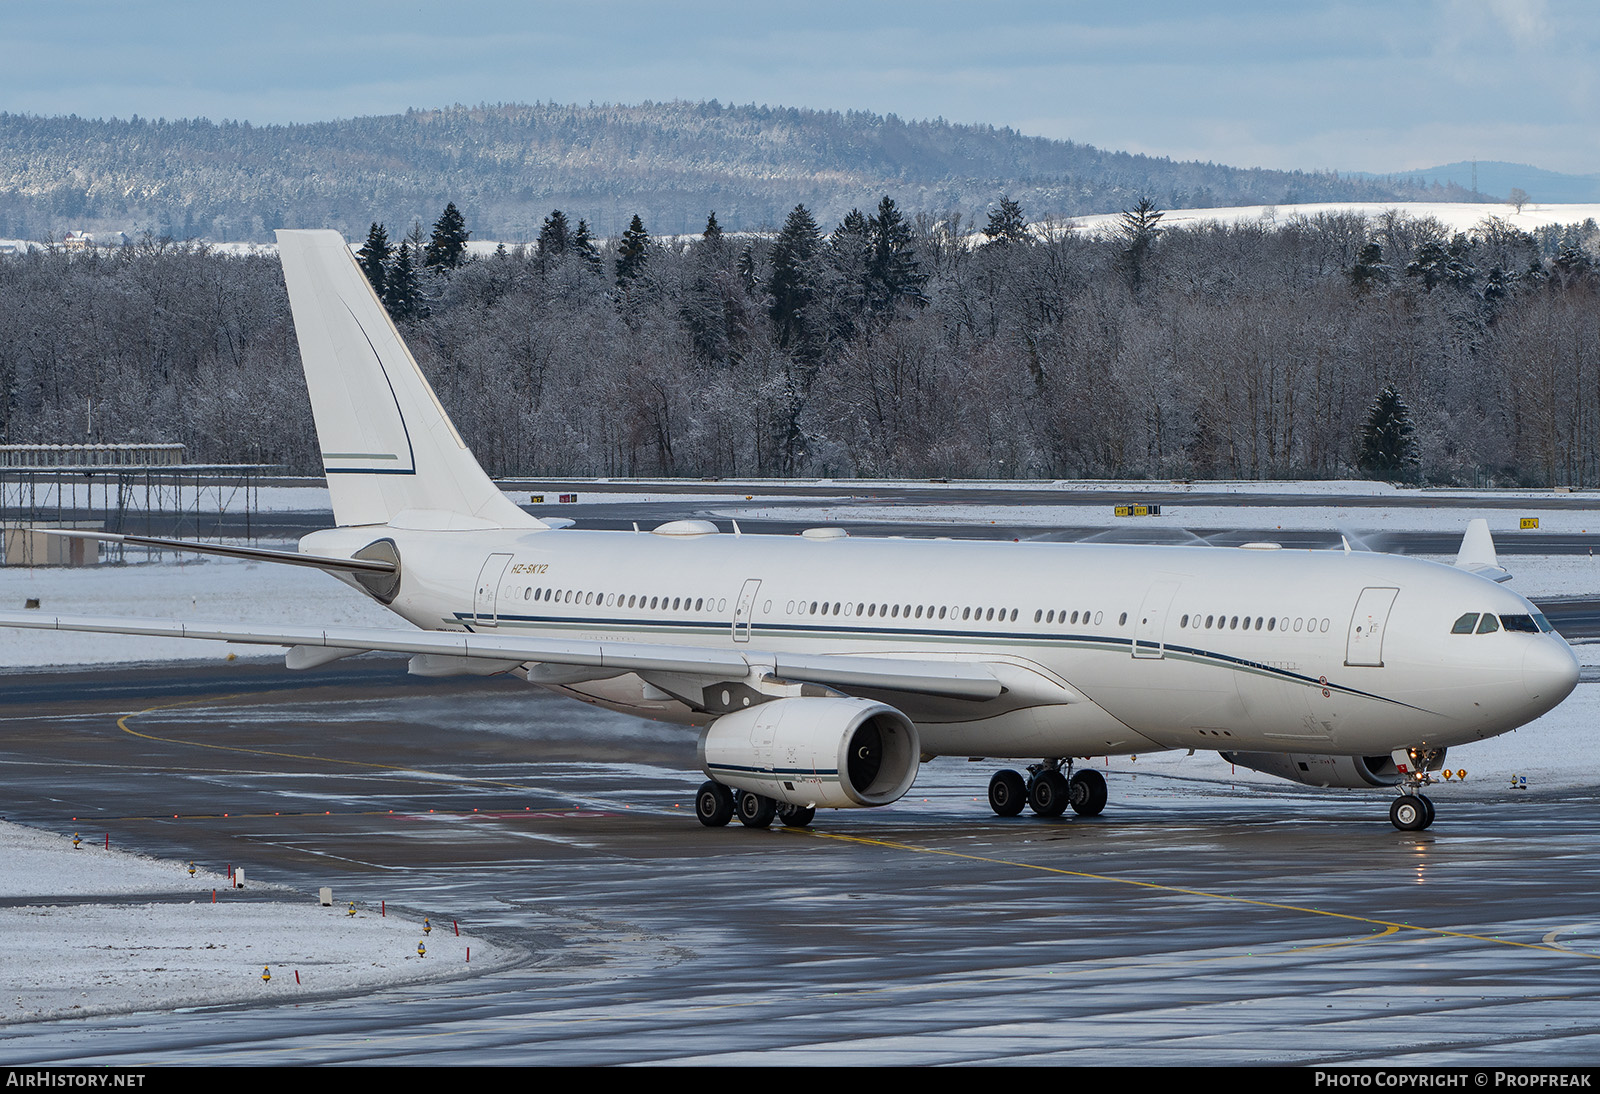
<point>884,345</point>
<point>512,163</point>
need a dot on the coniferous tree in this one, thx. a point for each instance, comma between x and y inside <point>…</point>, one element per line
<point>632,253</point>
<point>1369,269</point>
<point>582,244</point>
<point>1139,229</point>
<point>403,292</point>
<point>448,248</point>
<point>554,237</point>
<point>1388,444</point>
<point>850,253</point>
<point>374,257</point>
<point>793,284</point>
<point>749,274</point>
<point>1007,224</point>
<point>713,232</point>
<point>894,274</point>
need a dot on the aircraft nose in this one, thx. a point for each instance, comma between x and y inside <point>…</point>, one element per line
<point>1549,671</point>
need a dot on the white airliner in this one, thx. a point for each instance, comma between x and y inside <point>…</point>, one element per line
<point>823,668</point>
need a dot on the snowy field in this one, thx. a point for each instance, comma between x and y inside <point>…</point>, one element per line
<point>1456,216</point>
<point>133,933</point>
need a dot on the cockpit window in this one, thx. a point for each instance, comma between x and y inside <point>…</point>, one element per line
<point>1488,625</point>
<point>1543,623</point>
<point>1523,623</point>
<point>1465,624</point>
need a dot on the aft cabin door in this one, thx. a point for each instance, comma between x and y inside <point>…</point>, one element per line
<point>1365,644</point>
<point>488,594</point>
<point>1150,630</point>
<point>744,609</point>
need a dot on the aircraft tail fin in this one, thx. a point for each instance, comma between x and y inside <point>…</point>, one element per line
<point>389,450</point>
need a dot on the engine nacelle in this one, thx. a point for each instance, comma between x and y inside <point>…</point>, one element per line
<point>1349,772</point>
<point>836,753</point>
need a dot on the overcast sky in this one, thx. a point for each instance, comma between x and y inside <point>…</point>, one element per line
<point>1372,85</point>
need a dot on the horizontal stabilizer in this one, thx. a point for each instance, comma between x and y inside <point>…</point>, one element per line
<point>1477,554</point>
<point>254,554</point>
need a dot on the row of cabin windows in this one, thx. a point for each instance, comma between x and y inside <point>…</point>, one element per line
<point>901,611</point>
<point>1258,623</point>
<point>970,614</point>
<point>626,600</point>
<point>1488,623</point>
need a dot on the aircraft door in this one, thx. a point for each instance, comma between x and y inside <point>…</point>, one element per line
<point>1365,643</point>
<point>1150,628</point>
<point>744,609</point>
<point>487,596</point>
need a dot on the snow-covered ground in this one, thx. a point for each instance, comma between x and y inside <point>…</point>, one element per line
<point>198,588</point>
<point>107,932</point>
<point>1456,216</point>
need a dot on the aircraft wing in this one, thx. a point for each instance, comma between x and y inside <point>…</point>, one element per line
<point>501,652</point>
<point>1477,553</point>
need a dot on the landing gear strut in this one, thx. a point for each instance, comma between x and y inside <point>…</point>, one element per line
<point>1412,811</point>
<point>1048,790</point>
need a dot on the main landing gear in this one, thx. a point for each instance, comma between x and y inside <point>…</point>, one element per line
<point>1048,791</point>
<point>715,805</point>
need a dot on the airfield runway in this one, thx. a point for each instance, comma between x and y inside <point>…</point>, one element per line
<point>1194,922</point>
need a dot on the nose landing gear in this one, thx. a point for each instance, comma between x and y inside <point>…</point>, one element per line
<point>1412,811</point>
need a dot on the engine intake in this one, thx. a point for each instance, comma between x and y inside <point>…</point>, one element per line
<point>835,753</point>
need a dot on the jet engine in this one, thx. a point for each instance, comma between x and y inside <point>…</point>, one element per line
<point>837,753</point>
<point>1349,772</point>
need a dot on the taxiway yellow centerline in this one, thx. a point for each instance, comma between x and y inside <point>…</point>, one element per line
<point>1201,893</point>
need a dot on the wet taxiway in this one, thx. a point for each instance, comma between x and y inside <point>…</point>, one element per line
<point>1194,922</point>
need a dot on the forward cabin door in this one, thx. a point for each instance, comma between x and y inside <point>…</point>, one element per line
<point>744,609</point>
<point>487,596</point>
<point>1365,644</point>
<point>1150,628</point>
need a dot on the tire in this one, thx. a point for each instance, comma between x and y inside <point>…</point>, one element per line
<point>1008,793</point>
<point>1410,813</point>
<point>1048,795</point>
<point>797,816</point>
<point>1427,801</point>
<point>1086,793</point>
<point>755,811</point>
<point>713,804</point>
